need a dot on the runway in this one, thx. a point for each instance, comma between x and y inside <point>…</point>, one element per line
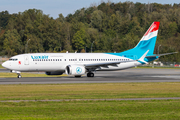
<point>129,75</point>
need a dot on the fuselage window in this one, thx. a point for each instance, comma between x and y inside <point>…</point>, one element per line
<point>13,59</point>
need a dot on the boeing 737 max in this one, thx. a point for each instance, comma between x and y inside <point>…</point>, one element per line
<point>78,64</point>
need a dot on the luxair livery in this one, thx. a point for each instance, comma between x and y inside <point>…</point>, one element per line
<point>78,64</point>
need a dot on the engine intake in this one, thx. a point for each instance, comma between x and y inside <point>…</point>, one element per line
<point>75,70</point>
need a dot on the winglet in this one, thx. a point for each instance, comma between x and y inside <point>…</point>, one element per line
<point>143,56</point>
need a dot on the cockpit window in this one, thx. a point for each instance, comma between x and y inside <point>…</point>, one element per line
<point>13,59</point>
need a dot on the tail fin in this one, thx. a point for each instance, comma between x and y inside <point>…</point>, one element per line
<point>147,42</point>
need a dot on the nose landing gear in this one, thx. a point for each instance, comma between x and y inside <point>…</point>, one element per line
<point>18,73</point>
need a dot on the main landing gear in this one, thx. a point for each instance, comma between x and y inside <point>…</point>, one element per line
<point>90,74</point>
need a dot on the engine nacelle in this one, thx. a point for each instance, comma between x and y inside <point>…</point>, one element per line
<point>54,73</point>
<point>76,70</point>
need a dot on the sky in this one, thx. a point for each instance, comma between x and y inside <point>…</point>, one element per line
<point>54,7</point>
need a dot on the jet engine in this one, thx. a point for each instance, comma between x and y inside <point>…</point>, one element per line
<point>76,70</point>
<point>54,73</point>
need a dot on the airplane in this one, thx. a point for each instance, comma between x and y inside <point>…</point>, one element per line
<point>78,64</point>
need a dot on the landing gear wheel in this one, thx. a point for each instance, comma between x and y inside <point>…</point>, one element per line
<point>90,74</point>
<point>19,76</point>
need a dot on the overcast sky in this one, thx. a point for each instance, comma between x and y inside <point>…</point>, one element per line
<point>55,7</point>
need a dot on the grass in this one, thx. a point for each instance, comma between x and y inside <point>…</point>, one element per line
<point>138,110</point>
<point>1,66</point>
<point>89,91</point>
<point>158,67</point>
<point>14,75</point>
<point>83,110</point>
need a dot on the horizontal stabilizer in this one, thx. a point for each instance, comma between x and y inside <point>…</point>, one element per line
<point>159,55</point>
<point>143,56</point>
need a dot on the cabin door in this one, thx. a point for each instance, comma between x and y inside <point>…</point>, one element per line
<point>26,60</point>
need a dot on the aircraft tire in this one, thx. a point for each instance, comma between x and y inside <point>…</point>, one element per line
<point>19,76</point>
<point>90,74</point>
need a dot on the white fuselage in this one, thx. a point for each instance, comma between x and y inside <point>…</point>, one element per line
<point>58,61</point>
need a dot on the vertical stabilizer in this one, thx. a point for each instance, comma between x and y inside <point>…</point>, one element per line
<point>147,42</point>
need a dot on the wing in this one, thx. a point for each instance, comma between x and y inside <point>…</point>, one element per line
<point>97,65</point>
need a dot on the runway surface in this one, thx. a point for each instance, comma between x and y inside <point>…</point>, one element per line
<point>129,75</point>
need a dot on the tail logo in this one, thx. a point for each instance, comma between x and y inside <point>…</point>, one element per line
<point>153,27</point>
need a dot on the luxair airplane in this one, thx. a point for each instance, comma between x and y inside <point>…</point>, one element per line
<point>78,64</point>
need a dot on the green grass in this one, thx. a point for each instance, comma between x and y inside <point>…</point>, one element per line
<point>158,67</point>
<point>89,91</point>
<point>1,66</point>
<point>14,75</point>
<point>138,110</point>
<point>83,110</point>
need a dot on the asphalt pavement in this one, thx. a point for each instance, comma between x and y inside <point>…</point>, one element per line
<point>129,75</point>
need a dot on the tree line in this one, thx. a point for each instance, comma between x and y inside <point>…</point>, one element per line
<point>108,27</point>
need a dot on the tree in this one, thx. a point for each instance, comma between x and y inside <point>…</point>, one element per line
<point>78,40</point>
<point>12,44</point>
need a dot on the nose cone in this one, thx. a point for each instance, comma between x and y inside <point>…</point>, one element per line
<point>5,65</point>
